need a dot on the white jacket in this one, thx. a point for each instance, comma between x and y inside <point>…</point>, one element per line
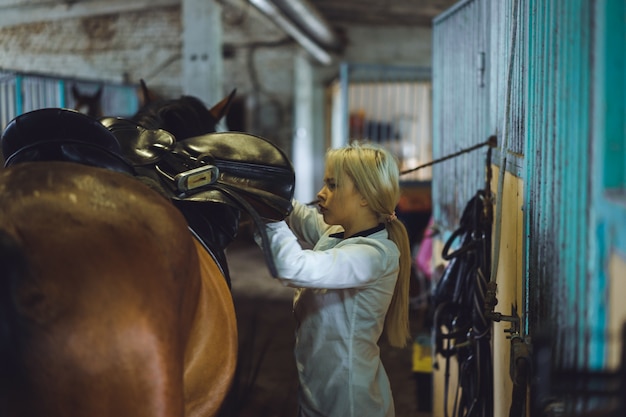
<point>344,290</point>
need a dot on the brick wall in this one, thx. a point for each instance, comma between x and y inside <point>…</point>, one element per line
<point>130,46</point>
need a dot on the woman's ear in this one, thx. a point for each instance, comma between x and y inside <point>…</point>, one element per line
<point>363,202</point>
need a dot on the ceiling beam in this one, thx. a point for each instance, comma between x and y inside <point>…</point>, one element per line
<point>281,20</point>
<point>14,15</point>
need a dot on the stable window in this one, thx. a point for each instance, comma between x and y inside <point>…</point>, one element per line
<point>387,105</point>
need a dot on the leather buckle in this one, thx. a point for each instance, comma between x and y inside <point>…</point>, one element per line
<point>196,178</point>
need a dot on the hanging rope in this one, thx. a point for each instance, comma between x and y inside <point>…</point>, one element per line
<point>491,142</point>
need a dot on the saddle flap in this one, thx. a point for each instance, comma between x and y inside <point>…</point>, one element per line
<point>252,166</point>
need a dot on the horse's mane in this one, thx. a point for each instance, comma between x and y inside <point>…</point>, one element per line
<point>184,117</point>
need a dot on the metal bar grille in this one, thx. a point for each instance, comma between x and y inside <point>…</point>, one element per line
<point>7,99</point>
<point>20,93</point>
<point>396,115</point>
<point>507,79</point>
<point>388,105</point>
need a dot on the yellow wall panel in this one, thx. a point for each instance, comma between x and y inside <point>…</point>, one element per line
<point>509,279</point>
<point>617,307</point>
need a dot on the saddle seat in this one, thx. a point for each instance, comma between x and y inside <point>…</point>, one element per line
<point>210,178</point>
<point>56,134</point>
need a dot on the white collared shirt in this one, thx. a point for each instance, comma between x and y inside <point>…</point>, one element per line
<point>344,288</point>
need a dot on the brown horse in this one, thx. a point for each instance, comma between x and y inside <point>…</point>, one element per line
<point>110,307</point>
<point>89,104</point>
<point>110,303</point>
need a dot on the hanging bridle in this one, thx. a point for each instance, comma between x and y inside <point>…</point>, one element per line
<point>461,328</point>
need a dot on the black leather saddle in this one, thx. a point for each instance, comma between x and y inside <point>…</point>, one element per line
<point>210,178</point>
<point>62,135</point>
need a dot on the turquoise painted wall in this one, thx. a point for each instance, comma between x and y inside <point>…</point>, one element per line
<point>575,179</point>
<point>557,175</point>
<point>555,74</point>
<point>608,210</point>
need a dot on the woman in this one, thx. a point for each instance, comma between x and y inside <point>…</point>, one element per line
<point>352,286</point>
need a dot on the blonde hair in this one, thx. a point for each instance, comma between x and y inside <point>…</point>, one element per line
<point>375,174</point>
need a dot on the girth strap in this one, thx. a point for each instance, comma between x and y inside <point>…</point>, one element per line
<point>259,223</point>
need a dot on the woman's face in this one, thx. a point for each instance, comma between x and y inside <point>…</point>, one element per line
<point>339,204</point>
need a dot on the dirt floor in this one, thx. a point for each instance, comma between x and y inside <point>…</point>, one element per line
<point>267,381</point>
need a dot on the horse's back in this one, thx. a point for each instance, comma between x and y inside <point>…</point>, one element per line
<point>108,302</point>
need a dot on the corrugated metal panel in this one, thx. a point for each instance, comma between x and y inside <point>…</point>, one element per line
<point>460,104</point>
<point>7,99</point>
<point>507,101</point>
<point>557,175</point>
<point>539,106</point>
<point>560,113</point>
<point>507,79</point>
<point>40,91</point>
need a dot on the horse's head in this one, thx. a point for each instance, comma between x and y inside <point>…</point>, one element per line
<point>183,117</point>
<point>89,104</point>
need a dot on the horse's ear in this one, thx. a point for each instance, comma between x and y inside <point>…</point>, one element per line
<point>98,93</point>
<point>75,92</point>
<point>220,109</point>
<point>146,96</point>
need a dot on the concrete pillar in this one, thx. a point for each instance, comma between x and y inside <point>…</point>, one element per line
<point>308,141</point>
<point>202,50</point>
